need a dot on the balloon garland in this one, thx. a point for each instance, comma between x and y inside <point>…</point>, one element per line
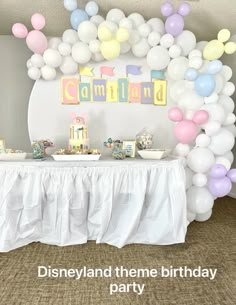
<point>199,82</point>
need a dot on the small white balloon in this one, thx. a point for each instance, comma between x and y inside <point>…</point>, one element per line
<point>97,57</point>
<point>29,64</point>
<point>203,140</point>
<point>137,19</point>
<point>158,58</point>
<point>182,149</point>
<point>94,46</point>
<point>125,47</point>
<point>144,30</point>
<point>81,53</point>
<point>70,36</point>
<point>141,48</point>
<point>203,217</point>
<point>195,53</point>
<point>154,38</point>
<point>126,23</point>
<point>97,20</point>
<point>199,180</point>
<point>222,142</point>
<point>52,58</point>
<point>157,25</point>
<point>227,103</point>
<point>195,62</point>
<point>231,129</point>
<point>227,73</point>
<point>115,15</point>
<point>200,159</point>
<point>68,66</point>
<point>64,49</point>
<point>187,41</point>
<point>228,89</point>
<point>177,68</point>
<point>224,161</point>
<point>175,51</point>
<point>34,73</point>
<point>230,119</point>
<point>212,98</point>
<point>48,73</point>
<point>167,41</point>
<point>37,61</point>
<point>230,156</point>
<point>87,31</point>
<point>91,8</point>
<point>134,37</point>
<point>199,200</point>
<point>54,43</point>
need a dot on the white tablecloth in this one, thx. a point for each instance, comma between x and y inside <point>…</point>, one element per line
<point>118,203</point>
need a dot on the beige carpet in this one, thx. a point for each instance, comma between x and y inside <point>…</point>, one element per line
<point>211,244</point>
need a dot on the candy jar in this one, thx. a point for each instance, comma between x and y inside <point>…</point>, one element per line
<point>118,152</point>
<point>144,139</point>
<point>38,149</point>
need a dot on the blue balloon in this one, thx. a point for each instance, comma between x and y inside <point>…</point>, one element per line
<point>77,17</point>
<point>91,8</point>
<point>191,74</point>
<point>205,85</point>
<point>70,5</point>
<point>214,67</point>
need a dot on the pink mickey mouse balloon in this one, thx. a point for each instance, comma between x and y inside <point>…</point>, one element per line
<point>37,42</point>
<point>185,131</point>
<point>201,117</point>
<point>175,114</point>
<point>38,21</point>
<point>19,30</point>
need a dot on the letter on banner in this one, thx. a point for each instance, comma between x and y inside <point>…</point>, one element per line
<point>112,91</point>
<point>69,91</point>
<point>99,90</point>
<point>123,90</point>
<point>84,92</point>
<point>147,93</point>
<point>160,92</point>
<point>134,92</point>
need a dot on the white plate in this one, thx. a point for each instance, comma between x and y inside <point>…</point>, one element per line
<point>76,157</point>
<point>154,154</point>
<point>13,156</point>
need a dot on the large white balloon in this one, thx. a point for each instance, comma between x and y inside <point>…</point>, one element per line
<point>157,25</point>
<point>199,200</point>
<point>48,73</point>
<point>175,51</point>
<point>189,99</point>
<point>158,58</point>
<point>177,68</point>
<point>81,53</point>
<point>87,31</point>
<point>137,19</point>
<point>222,142</point>
<point>200,160</point>
<point>68,65</point>
<point>216,112</point>
<point>141,48</point>
<point>187,41</point>
<point>204,216</point>
<point>70,36</point>
<point>115,15</point>
<point>52,58</point>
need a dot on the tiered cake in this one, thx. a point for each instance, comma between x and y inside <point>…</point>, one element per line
<point>78,134</point>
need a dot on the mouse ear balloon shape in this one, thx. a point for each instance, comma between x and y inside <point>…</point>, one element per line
<point>19,30</point>
<point>38,21</point>
<point>70,5</point>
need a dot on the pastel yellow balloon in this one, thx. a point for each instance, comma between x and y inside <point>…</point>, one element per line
<point>223,35</point>
<point>122,35</point>
<point>230,47</point>
<point>110,49</point>
<point>104,34</point>
<point>213,50</point>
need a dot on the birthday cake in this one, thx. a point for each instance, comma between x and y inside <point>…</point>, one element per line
<point>78,135</point>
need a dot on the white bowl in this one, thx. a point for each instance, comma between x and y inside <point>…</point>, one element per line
<point>154,154</point>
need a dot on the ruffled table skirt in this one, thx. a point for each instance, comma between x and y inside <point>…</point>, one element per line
<point>117,203</point>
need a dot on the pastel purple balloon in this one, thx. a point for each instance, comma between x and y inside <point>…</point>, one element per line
<point>174,25</point>
<point>184,9</point>
<point>219,187</point>
<point>232,175</point>
<point>218,171</point>
<point>167,9</point>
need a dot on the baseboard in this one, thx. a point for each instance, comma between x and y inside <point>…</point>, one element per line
<point>232,194</point>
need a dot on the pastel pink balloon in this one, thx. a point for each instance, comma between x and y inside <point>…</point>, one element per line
<point>37,42</point>
<point>19,30</point>
<point>201,117</point>
<point>38,21</point>
<point>186,131</point>
<point>175,114</point>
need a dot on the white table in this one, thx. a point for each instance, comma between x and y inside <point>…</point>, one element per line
<point>114,202</point>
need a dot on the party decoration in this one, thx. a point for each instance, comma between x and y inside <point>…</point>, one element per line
<point>144,139</point>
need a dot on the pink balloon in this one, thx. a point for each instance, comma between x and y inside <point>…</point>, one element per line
<point>19,30</point>
<point>185,131</point>
<point>200,117</point>
<point>175,114</point>
<point>37,42</point>
<point>38,21</point>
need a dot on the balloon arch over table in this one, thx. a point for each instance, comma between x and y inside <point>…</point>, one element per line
<point>200,83</point>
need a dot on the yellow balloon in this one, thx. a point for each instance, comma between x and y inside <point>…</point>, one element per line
<point>104,34</point>
<point>110,49</point>
<point>122,35</point>
<point>230,48</point>
<point>223,35</point>
<point>213,50</point>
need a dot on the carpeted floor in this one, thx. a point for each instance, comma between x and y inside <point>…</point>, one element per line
<point>211,245</point>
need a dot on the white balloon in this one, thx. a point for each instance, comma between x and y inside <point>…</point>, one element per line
<point>126,23</point>
<point>52,58</point>
<point>200,159</point>
<point>70,36</point>
<point>195,62</point>
<point>134,37</point>
<point>154,39</point>
<point>141,48</point>
<point>219,83</point>
<point>137,19</point>
<point>94,46</point>
<point>228,89</point>
<point>175,51</point>
<point>223,161</point>
<point>187,41</point>
<point>199,180</point>
<point>182,149</point>
<point>64,48</point>
<point>188,178</point>
<point>190,100</point>
<point>115,15</point>
<point>195,53</point>
<point>232,129</point>
<point>177,89</point>
<point>37,61</point>
<point>230,156</point>
<point>216,112</point>
<point>144,30</point>
<point>158,58</point>
<point>177,68</point>
<point>54,43</point>
<point>125,47</point>
<point>204,216</point>
<point>227,73</point>
<point>157,25</point>
<point>212,98</point>
<point>222,142</point>
<point>48,73</point>
<point>227,103</point>
<point>167,41</point>
<point>203,140</point>
<point>199,200</point>
<point>87,31</point>
<point>97,20</point>
<point>29,64</point>
<point>70,5</point>
<point>68,65</point>
<point>191,216</point>
<point>97,57</point>
<point>230,119</point>
<point>211,128</point>
<point>81,53</point>
<point>34,73</point>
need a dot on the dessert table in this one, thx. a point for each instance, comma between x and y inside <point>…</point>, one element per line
<point>109,201</point>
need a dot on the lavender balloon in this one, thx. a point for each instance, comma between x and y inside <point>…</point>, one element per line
<point>174,25</point>
<point>167,9</point>
<point>219,187</point>
<point>232,175</point>
<point>184,9</point>
<point>218,171</point>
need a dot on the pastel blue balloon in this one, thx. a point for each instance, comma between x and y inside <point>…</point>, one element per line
<point>77,17</point>
<point>91,8</point>
<point>205,85</point>
<point>191,74</point>
<point>214,67</point>
<point>70,5</point>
